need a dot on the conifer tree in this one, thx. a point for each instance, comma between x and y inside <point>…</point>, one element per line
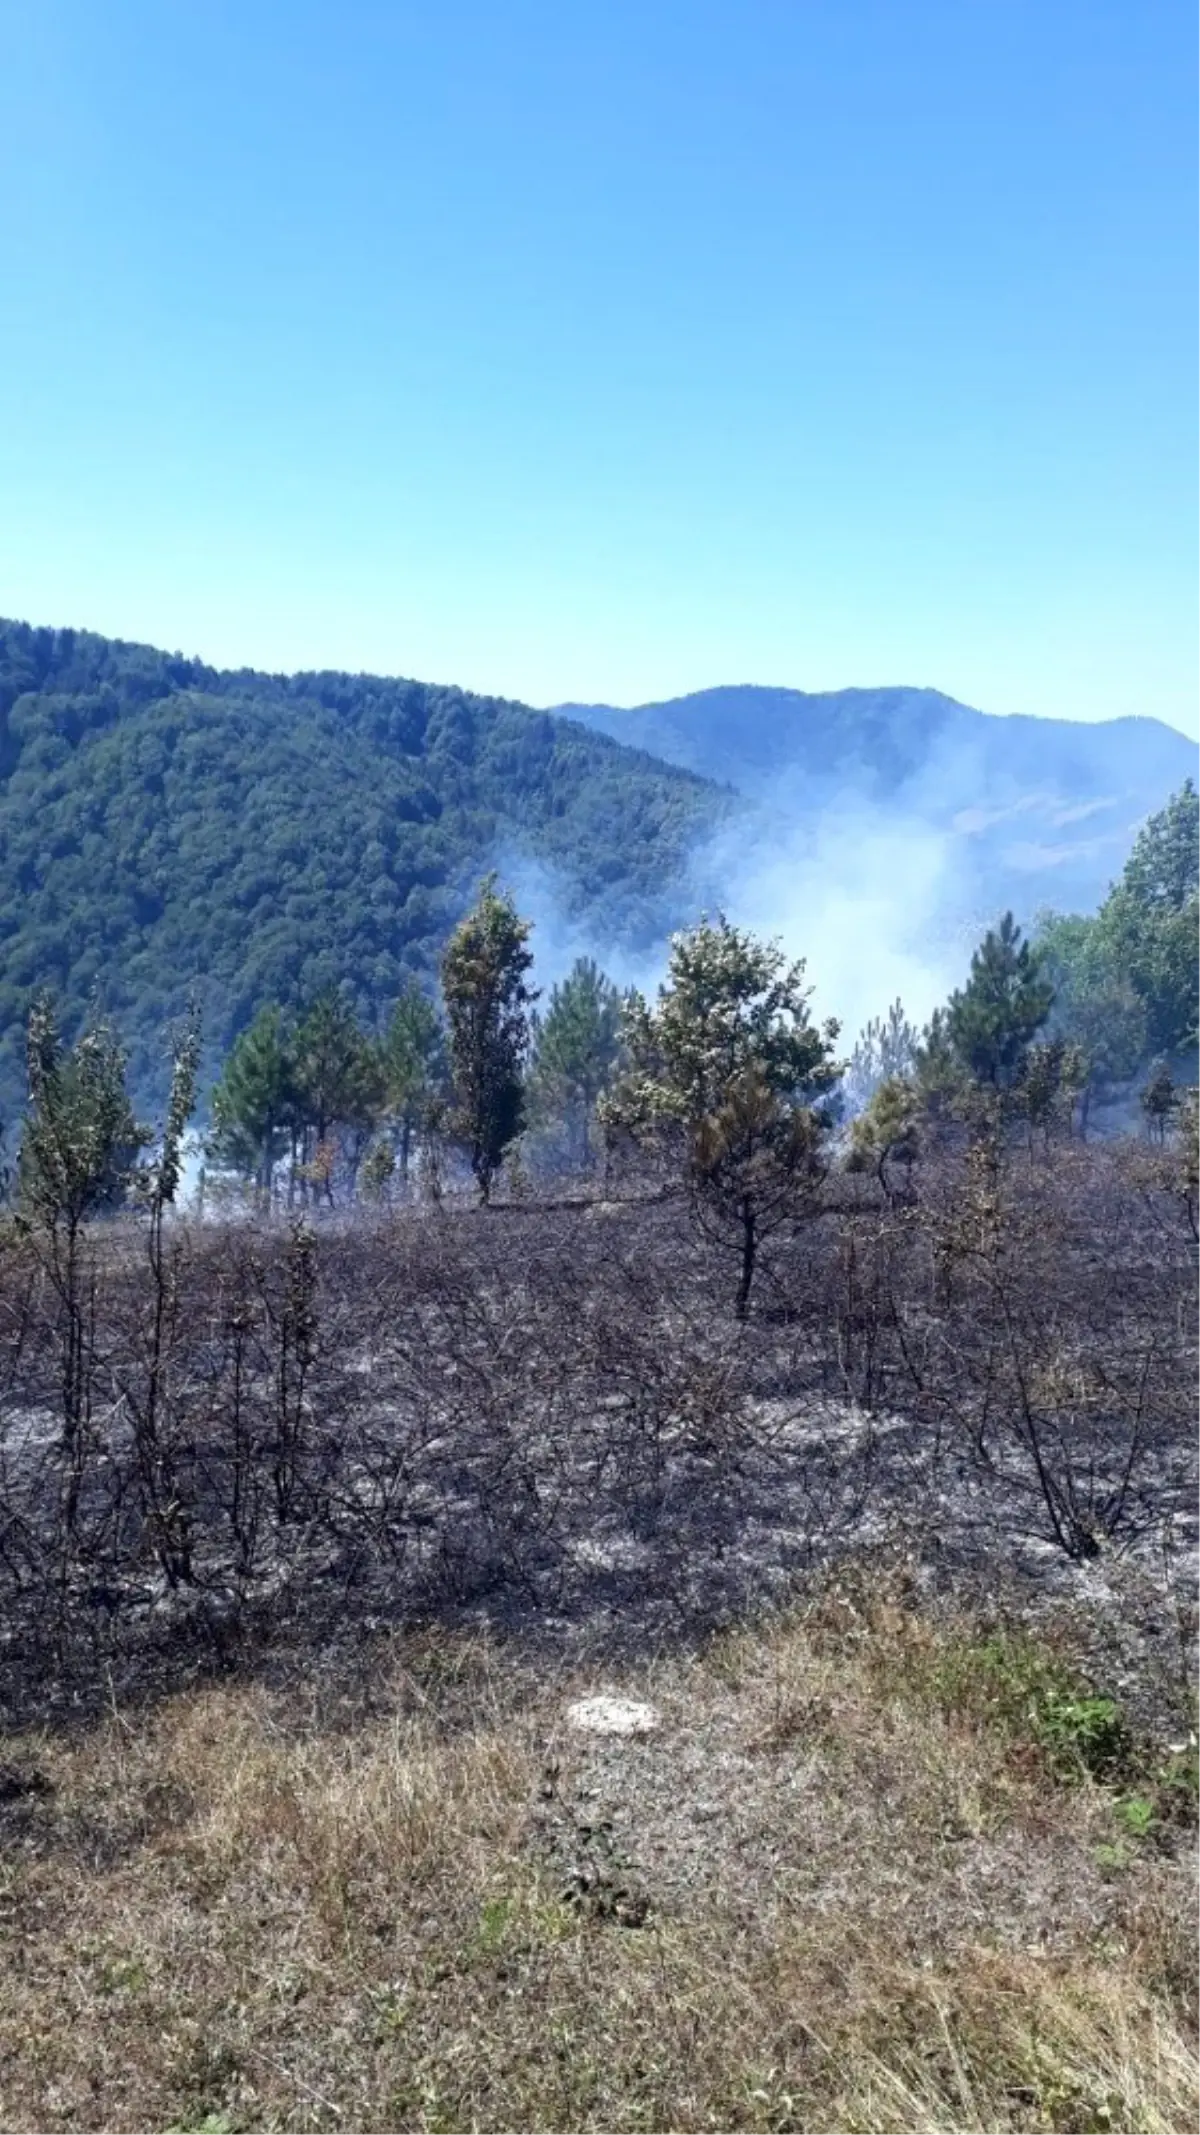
<point>991,1022</point>
<point>488,1001</point>
<point>412,1060</point>
<point>78,1156</point>
<point>729,1061</point>
<point>730,1003</point>
<point>254,1104</point>
<point>886,1048</point>
<point>339,1083</point>
<point>887,1129</point>
<point>578,1044</point>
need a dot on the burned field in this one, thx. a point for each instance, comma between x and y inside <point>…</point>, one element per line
<point>549,1420</point>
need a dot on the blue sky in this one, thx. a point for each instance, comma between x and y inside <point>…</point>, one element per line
<point>607,351</point>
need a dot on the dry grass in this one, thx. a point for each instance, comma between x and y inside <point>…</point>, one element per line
<point>838,1889</point>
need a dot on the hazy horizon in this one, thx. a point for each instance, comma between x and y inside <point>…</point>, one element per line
<point>564,706</point>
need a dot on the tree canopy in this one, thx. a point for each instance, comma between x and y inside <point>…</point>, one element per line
<point>488,1000</point>
<point>577,1046</point>
<point>991,1022</point>
<point>1126,980</point>
<point>729,1064</point>
<point>731,1003</point>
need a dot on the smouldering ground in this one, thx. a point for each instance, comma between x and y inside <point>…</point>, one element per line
<point>868,1873</point>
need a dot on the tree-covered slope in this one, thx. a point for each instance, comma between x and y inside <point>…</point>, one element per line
<point>164,825</point>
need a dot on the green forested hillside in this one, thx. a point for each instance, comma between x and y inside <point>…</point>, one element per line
<point>164,825</point>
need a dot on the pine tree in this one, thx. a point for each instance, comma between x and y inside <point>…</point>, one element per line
<point>578,1044</point>
<point>729,1062</point>
<point>991,1022</point>
<point>887,1047</point>
<point>254,1104</point>
<point>412,1056</point>
<point>78,1156</point>
<point>487,1008</point>
<point>730,1003</point>
<point>887,1128</point>
<point>339,1083</point>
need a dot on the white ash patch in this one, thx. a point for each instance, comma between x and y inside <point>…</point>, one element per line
<point>607,1715</point>
<point>611,1553</point>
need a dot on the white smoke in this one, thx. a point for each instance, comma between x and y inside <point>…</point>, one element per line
<point>859,893</point>
<point>562,934</point>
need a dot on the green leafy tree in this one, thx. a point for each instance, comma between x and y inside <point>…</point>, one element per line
<point>80,1144</point>
<point>1158,949</point>
<point>991,1022</point>
<point>254,1105</point>
<point>1127,979</point>
<point>1096,1005</point>
<point>729,1062</point>
<point>488,1000</point>
<point>577,1047</point>
<point>1162,873</point>
<point>1055,1075</point>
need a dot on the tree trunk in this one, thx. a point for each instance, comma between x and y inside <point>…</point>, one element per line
<point>749,1252</point>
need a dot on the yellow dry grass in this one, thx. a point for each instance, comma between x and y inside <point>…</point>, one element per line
<point>817,1897</point>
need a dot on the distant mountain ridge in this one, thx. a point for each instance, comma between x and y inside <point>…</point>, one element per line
<point>1038,811</point>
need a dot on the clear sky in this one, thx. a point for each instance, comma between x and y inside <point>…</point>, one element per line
<point>610,348</point>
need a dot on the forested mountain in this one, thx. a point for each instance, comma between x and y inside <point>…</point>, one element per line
<point>1033,811</point>
<point>163,823</point>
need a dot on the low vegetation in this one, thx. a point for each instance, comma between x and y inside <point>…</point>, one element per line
<point>853,1879</point>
